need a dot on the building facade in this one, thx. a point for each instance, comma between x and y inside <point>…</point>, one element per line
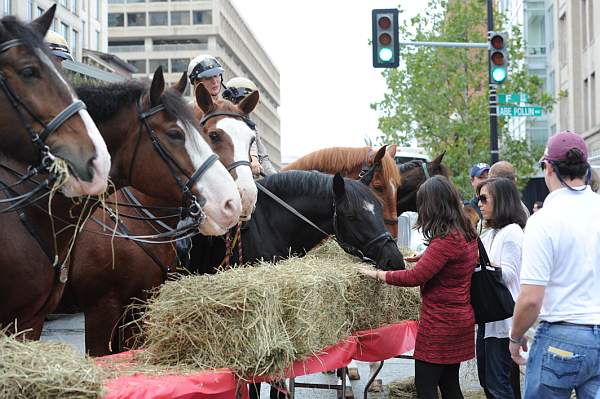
<point>83,23</point>
<point>169,33</point>
<point>562,42</point>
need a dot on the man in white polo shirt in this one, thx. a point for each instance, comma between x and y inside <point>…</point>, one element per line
<point>560,280</point>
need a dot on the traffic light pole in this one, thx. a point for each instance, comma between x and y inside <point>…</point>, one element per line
<point>493,102</point>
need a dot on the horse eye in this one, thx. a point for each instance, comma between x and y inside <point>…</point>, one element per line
<point>214,136</point>
<point>29,72</point>
<point>176,135</point>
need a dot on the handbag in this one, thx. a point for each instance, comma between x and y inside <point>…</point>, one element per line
<point>490,298</point>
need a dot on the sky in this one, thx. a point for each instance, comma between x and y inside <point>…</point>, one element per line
<point>321,49</point>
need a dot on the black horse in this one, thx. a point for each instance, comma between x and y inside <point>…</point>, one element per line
<point>342,207</point>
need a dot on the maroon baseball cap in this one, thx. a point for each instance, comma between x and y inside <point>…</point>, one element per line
<point>559,145</point>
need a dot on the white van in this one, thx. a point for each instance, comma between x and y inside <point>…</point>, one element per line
<point>407,154</point>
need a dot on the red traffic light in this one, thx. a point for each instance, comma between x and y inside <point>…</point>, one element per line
<point>497,58</point>
<point>385,39</point>
<point>497,42</point>
<point>384,22</point>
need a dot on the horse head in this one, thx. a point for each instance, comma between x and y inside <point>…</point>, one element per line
<point>40,115</point>
<point>382,176</point>
<point>157,149</point>
<point>413,174</point>
<point>230,133</point>
<point>359,227</point>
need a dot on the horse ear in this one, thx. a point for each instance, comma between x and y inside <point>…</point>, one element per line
<point>391,150</point>
<point>339,186</point>
<point>203,99</point>
<point>380,154</point>
<point>43,22</point>
<point>157,87</point>
<point>438,159</point>
<point>182,84</point>
<point>248,104</point>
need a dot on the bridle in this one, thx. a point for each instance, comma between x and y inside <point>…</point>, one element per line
<point>349,248</point>
<point>191,205</point>
<point>245,118</point>
<point>366,177</point>
<point>37,137</point>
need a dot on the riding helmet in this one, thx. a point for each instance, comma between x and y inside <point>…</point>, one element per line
<point>204,66</point>
<point>58,46</point>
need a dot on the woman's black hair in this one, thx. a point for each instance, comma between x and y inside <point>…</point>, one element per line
<point>507,207</point>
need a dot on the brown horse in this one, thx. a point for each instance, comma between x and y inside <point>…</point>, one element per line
<point>102,291</point>
<point>141,127</point>
<point>40,116</point>
<point>376,169</point>
<point>414,173</point>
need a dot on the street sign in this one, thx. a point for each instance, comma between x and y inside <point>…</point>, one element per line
<point>512,98</point>
<point>513,111</point>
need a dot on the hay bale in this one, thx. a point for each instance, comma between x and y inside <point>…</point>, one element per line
<point>42,370</point>
<point>403,389</point>
<point>258,320</point>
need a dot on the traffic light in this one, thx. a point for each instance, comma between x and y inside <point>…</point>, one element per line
<point>385,38</point>
<point>498,57</point>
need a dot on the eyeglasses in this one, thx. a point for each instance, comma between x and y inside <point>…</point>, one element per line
<point>483,199</point>
<point>543,164</point>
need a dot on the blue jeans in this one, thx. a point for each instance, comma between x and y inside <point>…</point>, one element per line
<point>564,358</point>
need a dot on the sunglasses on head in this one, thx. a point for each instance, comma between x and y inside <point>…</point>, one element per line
<point>483,198</point>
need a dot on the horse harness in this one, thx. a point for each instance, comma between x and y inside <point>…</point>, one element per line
<point>37,137</point>
<point>349,248</point>
<point>245,118</point>
<point>366,177</point>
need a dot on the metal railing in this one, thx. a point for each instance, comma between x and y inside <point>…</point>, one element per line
<point>127,49</point>
<point>180,47</point>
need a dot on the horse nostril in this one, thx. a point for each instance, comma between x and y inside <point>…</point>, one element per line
<point>91,169</point>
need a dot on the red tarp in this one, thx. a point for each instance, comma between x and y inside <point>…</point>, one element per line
<point>371,345</point>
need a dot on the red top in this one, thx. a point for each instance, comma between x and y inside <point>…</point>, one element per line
<point>447,323</point>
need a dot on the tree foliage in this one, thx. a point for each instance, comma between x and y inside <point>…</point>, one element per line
<point>439,96</point>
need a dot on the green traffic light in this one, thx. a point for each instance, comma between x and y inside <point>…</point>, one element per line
<point>385,54</point>
<point>499,74</point>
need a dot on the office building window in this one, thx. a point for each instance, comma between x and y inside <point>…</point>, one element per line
<point>83,35</point>
<point>158,18</point>
<point>98,9</point>
<point>179,64</point>
<point>135,1</point>
<point>55,25</point>
<point>7,7</point>
<point>116,19</point>
<point>584,21</point>
<point>562,37</point>
<point>116,1</point>
<point>591,21</point>
<point>180,17</point>
<point>136,19</point>
<point>586,104</point>
<point>29,10</point>
<point>550,28</point>
<point>74,6</point>
<point>40,11</point>
<point>64,31</point>
<point>593,107</point>
<point>98,41</point>
<point>75,43</point>
<point>154,64</point>
<point>63,3</point>
<point>140,65</point>
<point>202,17</point>
<point>158,1</point>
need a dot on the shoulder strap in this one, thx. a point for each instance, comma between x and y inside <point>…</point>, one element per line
<point>484,260</point>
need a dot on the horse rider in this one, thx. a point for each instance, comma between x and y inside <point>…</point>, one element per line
<point>58,46</point>
<point>206,70</point>
<point>236,90</point>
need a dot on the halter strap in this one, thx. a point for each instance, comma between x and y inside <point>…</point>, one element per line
<point>425,167</point>
<point>245,118</point>
<point>7,45</point>
<point>201,170</point>
<point>238,163</point>
<point>61,118</point>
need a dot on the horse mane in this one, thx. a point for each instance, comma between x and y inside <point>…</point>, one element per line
<point>105,100</point>
<point>345,160</point>
<point>12,26</point>
<point>297,183</point>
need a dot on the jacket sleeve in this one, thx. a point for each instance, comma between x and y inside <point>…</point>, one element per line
<point>432,261</point>
<point>510,256</point>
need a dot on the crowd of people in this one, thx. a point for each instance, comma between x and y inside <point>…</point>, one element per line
<point>550,263</point>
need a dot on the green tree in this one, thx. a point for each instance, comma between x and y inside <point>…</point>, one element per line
<point>440,95</point>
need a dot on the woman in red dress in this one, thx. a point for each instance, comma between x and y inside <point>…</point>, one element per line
<point>446,334</point>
